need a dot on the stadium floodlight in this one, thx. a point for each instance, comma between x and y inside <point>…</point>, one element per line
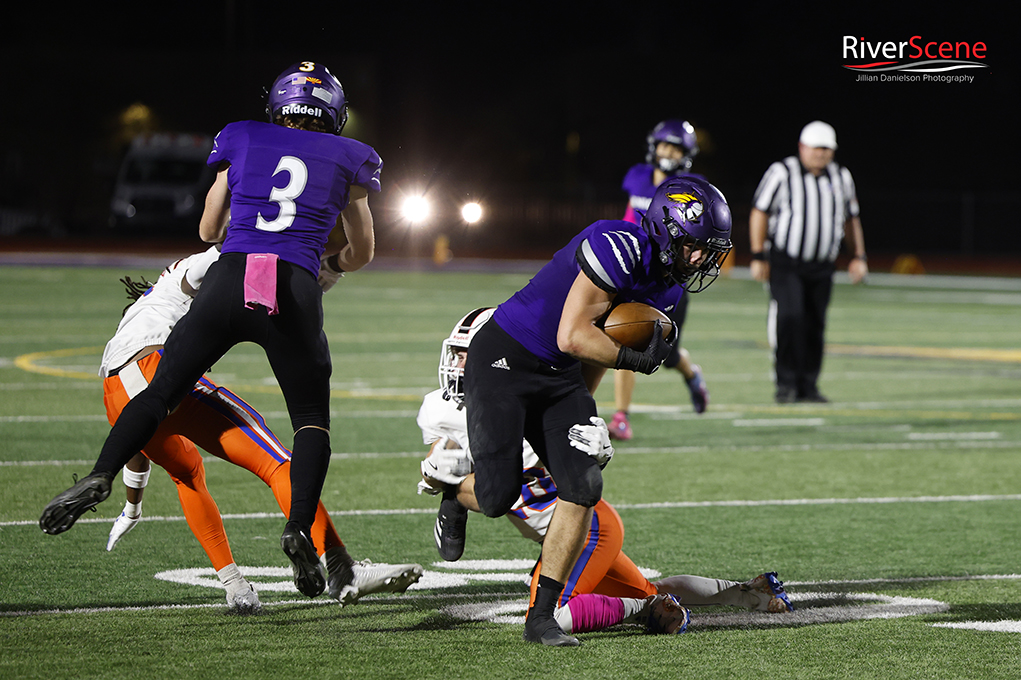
<point>416,209</point>
<point>471,212</point>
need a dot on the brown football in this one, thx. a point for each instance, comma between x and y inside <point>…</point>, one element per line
<point>632,323</point>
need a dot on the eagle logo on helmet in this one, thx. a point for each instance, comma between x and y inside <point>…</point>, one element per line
<point>692,207</point>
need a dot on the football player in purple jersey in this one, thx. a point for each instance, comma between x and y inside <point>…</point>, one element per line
<point>532,369</point>
<point>671,147</point>
<point>281,188</point>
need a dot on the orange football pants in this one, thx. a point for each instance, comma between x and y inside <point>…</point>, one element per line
<point>602,567</point>
<point>225,426</point>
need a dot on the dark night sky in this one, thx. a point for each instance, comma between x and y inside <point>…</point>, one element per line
<point>490,96</point>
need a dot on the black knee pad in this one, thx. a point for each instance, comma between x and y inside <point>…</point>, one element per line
<point>496,505</point>
<point>584,490</point>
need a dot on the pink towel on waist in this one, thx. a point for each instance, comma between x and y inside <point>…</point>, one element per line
<point>261,282</point>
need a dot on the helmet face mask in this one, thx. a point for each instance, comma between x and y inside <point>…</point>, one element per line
<point>694,277</point>
<point>688,214</point>
<point>451,369</point>
<point>308,88</point>
<point>681,134</point>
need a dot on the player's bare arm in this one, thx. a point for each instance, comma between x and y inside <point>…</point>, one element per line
<point>578,334</point>
<point>216,215</point>
<point>356,247</point>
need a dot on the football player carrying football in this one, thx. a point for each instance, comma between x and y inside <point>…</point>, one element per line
<point>671,147</point>
<point>605,587</point>
<point>281,187</point>
<point>524,378</point>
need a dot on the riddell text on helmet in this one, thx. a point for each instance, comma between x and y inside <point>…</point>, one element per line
<point>304,109</point>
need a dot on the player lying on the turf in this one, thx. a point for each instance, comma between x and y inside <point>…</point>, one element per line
<point>605,587</point>
<point>225,426</point>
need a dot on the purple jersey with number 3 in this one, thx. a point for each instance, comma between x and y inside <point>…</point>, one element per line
<point>615,255</point>
<point>287,187</point>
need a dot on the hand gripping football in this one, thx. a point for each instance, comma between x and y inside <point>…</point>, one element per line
<point>632,323</point>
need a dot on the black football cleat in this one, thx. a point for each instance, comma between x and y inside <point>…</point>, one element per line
<point>449,532</point>
<point>546,631</point>
<point>309,576</point>
<point>64,510</point>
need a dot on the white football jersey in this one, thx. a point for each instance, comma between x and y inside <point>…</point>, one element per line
<point>151,318</point>
<point>439,417</point>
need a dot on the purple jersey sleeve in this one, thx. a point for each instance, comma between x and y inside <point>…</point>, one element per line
<point>368,175</point>
<point>640,189</point>
<point>614,255</point>
<point>614,258</point>
<point>288,187</point>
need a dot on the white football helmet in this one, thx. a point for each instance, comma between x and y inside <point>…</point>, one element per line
<point>451,368</point>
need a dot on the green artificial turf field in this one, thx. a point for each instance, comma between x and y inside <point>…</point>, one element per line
<point>892,513</point>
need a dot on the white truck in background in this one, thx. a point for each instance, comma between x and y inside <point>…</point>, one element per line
<point>161,185</point>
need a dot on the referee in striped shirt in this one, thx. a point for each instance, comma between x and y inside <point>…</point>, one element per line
<point>803,208</point>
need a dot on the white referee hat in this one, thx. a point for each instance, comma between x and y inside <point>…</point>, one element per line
<point>818,133</point>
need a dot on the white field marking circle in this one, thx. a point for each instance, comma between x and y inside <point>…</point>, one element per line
<point>278,579</point>
<point>810,607</point>
<point>509,608</point>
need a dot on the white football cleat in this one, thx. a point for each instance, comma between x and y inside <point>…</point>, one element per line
<point>340,576</point>
<point>121,526</point>
<point>372,578</point>
<point>242,599</point>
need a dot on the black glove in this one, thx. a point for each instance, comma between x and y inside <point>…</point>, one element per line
<point>648,361</point>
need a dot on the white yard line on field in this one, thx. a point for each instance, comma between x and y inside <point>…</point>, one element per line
<point>977,498</point>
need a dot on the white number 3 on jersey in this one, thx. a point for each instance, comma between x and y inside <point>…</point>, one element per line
<point>284,196</point>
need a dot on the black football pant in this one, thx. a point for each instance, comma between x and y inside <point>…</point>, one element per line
<point>298,353</point>
<point>512,396</point>
<point>800,293</point>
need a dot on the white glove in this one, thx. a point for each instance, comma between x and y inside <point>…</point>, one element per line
<point>447,465</point>
<point>424,487</point>
<point>328,276</point>
<point>593,439</point>
<point>121,526</point>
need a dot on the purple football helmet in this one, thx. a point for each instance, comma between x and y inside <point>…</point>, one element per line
<point>689,213</point>
<point>308,88</point>
<point>679,133</point>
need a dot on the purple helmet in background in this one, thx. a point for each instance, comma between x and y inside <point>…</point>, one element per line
<point>689,212</point>
<point>679,133</point>
<point>309,88</point>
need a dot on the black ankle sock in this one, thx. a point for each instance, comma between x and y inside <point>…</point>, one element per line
<point>547,594</point>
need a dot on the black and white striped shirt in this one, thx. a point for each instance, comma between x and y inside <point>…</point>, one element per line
<point>806,213</point>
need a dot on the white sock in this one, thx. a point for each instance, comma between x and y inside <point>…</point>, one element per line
<point>563,617</point>
<point>231,578</point>
<point>633,607</point>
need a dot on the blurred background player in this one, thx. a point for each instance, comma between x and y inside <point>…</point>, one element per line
<point>803,208</point>
<point>672,146</point>
<point>605,588</point>
<point>281,187</point>
<point>534,366</point>
<point>224,425</point>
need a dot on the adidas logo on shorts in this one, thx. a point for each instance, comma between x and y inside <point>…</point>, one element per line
<point>500,363</point>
